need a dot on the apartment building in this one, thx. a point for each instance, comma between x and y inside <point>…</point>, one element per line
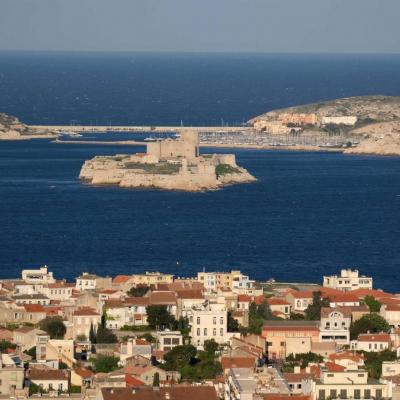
<point>207,322</point>
<point>371,342</point>
<point>348,280</point>
<point>289,337</point>
<point>345,384</point>
<point>91,282</point>
<point>38,276</point>
<point>11,375</point>
<point>234,280</point>
<point>167,340</point>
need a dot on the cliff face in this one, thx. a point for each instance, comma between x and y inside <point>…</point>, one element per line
<point>116,171</point>
<point>12,129</point>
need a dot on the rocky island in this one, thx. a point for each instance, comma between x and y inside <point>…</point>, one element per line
<point>368,124</point>
<point>12,129</point>
<point>168,164</point>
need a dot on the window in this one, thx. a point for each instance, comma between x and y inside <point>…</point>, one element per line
<point>378,394</point>
<point>221,332</point>
<point>205,331</point>
<point>357,393</point>
<point>333,394</point>
<point>221,320</point>
<point>215,320</point>
<point>198,320</point>
<point>198,331</point>
<point>343,393</point>
<point>367,394</point>
<point>214,332</point>
<point>321,394</point>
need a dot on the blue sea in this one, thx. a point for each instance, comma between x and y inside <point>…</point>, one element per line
<point>308,215</point>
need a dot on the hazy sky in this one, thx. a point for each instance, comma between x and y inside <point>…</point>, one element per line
<point>201,25</point>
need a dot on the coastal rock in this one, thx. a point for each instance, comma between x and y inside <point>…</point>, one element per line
<point>12,129</point>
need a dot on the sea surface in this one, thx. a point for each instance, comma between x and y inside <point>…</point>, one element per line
<point>308,215</point>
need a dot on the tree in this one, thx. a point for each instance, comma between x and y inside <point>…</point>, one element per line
<point>372,323</point>
<point>104,335</point>
<point>313,311</point>
<point>81,338</point>
<point>148,336</point>
<point>210,347</point>
<point>31,352</point>
<point>296,316</point>
<point>34,389</point>
<point>54,326</point>
<point>156,380</point>
<point>374,360</point>
<point>159,317</point>
<point>373,304</point>
<point>5,344</point>
<point>179,356</point>
<point>233,325</point>
<point>138,291</point>
<point>103,363</point>
<point>92,334</point>
<point>264,311</point>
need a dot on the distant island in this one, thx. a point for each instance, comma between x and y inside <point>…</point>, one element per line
<point>372,123</point>
<point>168,164</point>
<point>13,129</point>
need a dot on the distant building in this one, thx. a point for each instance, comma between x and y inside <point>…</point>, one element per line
<point>83,319</point>
<point>91,282</point>
<point>342,120</point>
<point>234,280</point>
<point>11,376</point>
<point>38,276</point>
<point>372,342</point>
<point>348,280</point>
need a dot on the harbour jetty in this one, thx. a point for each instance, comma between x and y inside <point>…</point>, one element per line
<point>167,164</point>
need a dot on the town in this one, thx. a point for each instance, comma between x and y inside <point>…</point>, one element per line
<point>219,335</point>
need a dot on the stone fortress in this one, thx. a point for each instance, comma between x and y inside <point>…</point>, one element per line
<point>168,164</point>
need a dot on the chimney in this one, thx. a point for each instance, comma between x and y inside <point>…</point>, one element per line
<point>296,369</point>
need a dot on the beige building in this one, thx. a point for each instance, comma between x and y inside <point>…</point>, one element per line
<point>150,278</point>
<point>391,313</point>
<point>234,280</point>
<point>372,342</point>
<point>91,282</point>
<point>352,384</point>
<point>54,349</point>
<point>38,276</point>
<point>335,325</point>
<point>26,337</point>
<point>49,379</point>
<point>82,321</point>
<point>342,120</point>
<point>348,280</point>
<point>208,322</point>
<point>167,340</point>
<point>11,376</point>
<point>61,291</point>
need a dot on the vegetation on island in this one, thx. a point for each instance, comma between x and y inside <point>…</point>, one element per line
<point>163,167</point>
<point>373,361</point>
<point>225,169</point>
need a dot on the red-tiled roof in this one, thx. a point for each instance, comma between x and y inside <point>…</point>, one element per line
<point>274,301</point>
<point>47,374</point>
<point>346,355</point>
<point>374,337</point>
<point>34,308</point>
<point>244,298</point>
<point>162,298</point>
<point>305,294</point>
<point>85,311</point>
<point>190,294</point>
<point>84,373</point>
<point>132,381</point>
<point>332,367</point>
<point>392,307</point>
<point>237,362</point>
<point>344,298</point>
<point>137,301</point>
<point>121,279</point>
<point>361,293</point>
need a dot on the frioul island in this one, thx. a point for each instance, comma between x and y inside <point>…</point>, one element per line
<point>167,164</point>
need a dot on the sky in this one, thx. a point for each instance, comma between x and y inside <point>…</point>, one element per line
<point>290,26</point>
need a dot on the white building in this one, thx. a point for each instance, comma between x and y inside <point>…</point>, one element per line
<point>240,384</point>
<point>90,282</point>
<point>167,340</point>
<point>347,384</point>
<point>41,275</point>
<point>207,322</point>
<point>348,280</point>
<point>335,325</point>
<point>342,120</point>
<point>371,342</point>
<point>391,313</point>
